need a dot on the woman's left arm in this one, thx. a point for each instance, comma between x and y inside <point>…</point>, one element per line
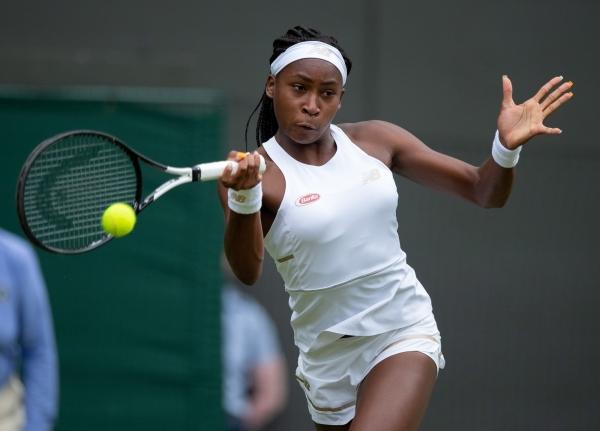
<point>488,185</point>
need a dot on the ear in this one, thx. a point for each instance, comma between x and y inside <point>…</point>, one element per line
<point>341,97</point>
<point>270,86</point>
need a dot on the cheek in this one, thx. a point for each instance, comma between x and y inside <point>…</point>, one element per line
<point>283,107</point>
<point>333,107</point>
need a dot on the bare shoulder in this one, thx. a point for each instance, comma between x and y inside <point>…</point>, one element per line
<point>378,130</point>
<point>381,139</point>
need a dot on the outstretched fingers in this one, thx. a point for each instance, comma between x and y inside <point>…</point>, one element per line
<point>517,124</point>
<point>558,97</point>
<point>550,130</point>
<point>550,98</point>
<point>545,89</point>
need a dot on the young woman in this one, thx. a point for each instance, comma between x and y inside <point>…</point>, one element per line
<point>325,210</point>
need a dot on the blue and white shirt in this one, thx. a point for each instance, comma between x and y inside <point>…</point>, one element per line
<point>27,346</point>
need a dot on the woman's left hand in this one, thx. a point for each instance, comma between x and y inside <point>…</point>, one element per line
<point>517,124</point>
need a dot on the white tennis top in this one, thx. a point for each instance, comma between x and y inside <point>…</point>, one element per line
<point>335,243</point>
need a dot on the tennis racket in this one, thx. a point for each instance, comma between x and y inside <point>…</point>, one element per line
<point>69,180</point>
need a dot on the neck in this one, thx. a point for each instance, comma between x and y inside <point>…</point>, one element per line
<point>315,153</point>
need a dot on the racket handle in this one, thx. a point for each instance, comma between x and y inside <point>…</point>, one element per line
<point>214,170</point>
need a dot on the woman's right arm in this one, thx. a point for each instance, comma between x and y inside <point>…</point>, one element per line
<point>243,241</point>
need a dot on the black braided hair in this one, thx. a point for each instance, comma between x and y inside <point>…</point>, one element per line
<point>266,124</point>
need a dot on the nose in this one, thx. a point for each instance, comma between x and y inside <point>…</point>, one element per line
<point>311,105</point>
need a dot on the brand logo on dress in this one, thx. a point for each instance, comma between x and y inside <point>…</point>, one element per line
<point>307,199</point>
<point>370,176</point>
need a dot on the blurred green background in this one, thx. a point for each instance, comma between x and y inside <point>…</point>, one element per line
<point>137,320</point>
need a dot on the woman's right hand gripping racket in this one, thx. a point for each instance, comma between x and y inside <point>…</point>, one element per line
<point>69,180</point>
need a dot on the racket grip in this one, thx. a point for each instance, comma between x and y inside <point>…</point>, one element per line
<point>214,170</point>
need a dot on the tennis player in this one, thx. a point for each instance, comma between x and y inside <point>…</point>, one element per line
<point>325,210</point>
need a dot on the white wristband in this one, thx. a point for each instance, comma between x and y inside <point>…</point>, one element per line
<point>502,155</point>
<point>245,201</point>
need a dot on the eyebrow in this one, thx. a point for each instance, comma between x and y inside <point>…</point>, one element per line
<point>307,78</point>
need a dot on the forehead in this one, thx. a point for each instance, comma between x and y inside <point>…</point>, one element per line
<point>312,68</point>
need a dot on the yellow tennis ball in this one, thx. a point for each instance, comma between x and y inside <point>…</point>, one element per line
<point>118,219</point>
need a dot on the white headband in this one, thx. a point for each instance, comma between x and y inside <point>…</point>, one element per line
<point>310,49</point>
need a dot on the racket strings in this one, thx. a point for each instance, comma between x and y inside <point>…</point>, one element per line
<point>70,184</point>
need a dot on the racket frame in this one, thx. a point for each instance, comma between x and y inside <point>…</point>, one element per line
<point>183,175</point>
<point>29,162</point>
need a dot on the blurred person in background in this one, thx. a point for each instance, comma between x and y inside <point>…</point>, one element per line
<point>254,368</point>
<point>28,360</point>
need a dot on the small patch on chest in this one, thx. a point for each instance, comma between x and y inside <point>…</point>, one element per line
<point>307,199</point>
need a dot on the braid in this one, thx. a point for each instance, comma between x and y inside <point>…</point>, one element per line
<point>266,123</point>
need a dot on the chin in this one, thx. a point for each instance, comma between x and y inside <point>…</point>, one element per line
<point>305,136</point>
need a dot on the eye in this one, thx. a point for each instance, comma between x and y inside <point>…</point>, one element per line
<point>329,93</point>
<point>298,87</point>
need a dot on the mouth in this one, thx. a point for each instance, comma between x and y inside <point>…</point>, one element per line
<point>306,126</point>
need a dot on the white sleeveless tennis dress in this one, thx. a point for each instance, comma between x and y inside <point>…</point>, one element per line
<point>335,243</point>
